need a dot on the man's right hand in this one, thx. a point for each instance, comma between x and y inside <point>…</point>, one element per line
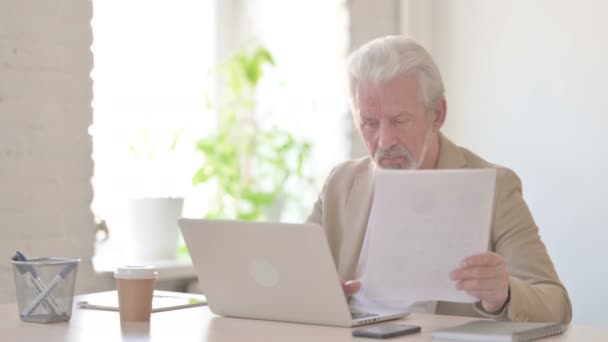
<point>351,287</point>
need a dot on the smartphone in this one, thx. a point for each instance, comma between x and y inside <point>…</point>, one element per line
<point>386,330</point>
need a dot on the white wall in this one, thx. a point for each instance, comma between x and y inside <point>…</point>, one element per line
<point>45,149</point>
<point>368,20</point>
<point>527,88</point>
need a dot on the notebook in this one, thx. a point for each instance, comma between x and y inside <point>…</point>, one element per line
<point>161,301</point>
<point>492,331</point>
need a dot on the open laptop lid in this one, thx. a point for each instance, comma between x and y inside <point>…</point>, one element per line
<point>273,271</point>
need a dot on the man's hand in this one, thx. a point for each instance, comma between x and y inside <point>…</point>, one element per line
<point>351,287</point>
<point>485,277</point>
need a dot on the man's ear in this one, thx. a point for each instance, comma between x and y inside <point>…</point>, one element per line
<point>440,110</point>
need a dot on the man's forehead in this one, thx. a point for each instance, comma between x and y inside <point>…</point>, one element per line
<point>400,91</point>
<point>387,104</point>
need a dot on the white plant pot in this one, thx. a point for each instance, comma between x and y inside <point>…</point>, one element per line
<point>153,228</point>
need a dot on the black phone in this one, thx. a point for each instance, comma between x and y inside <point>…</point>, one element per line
<point>386,330</point>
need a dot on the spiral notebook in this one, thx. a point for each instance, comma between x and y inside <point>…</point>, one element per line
<point>492,331</point>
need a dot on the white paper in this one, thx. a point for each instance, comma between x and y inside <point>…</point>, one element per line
<point>421,225</point>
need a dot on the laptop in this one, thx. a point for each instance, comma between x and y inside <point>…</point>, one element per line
<point>271,271</point>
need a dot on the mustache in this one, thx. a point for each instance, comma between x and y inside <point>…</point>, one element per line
<point>393,151</point>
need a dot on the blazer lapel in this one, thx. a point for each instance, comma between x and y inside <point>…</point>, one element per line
<point>450,155</point>
<point>358,207</point>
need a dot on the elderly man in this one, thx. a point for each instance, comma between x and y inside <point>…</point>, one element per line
<point>398,104</point>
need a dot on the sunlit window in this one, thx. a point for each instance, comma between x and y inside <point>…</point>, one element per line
<point>152,83</point>
<point>151,63</point>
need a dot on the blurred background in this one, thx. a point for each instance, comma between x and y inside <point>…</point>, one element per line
<point>117,116</point>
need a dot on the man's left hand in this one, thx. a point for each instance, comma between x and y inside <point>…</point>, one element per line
<point>485,277</point>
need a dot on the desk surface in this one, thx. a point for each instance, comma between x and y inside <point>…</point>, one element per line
<point>199,324</point>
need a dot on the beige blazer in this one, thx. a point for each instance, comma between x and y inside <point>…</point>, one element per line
<point>536,293</point>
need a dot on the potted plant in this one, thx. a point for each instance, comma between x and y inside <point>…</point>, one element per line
<point>155,204</point>
<point>248,164</point>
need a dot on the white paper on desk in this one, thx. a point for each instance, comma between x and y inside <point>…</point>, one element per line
<point>421,225</point>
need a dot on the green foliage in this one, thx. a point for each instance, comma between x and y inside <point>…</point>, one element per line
<point>249,165</point>
<point>246,70</point>
<point>149,144</point>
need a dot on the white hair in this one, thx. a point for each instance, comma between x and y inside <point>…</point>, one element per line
<point>384,59</point>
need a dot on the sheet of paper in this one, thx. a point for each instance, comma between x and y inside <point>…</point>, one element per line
<point>421,225</point>
<point>161,301</point>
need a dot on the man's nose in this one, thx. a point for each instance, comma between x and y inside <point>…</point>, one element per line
<point>387,136</point>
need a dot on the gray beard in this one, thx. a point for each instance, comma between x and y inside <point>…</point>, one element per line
<point>401,151</point>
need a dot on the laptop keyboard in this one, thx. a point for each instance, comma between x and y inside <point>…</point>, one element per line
<point>358,315</point>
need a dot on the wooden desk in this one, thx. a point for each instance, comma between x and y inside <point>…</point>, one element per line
<point>199,324</point>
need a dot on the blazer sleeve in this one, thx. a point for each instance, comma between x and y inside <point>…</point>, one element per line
<point>536,293</point>
<point>316,214</point>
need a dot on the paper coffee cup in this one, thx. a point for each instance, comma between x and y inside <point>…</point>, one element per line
<point>135,286</point>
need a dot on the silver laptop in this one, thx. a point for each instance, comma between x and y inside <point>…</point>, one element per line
<point>271,271</point>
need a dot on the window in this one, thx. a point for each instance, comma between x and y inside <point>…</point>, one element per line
<point>152,59</point>
<point>309,40</point>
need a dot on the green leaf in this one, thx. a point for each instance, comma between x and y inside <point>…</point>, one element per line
<point>263,55</point>
<point>235,80</point>
<point>213,216</point>
<point>206,146</point>
<point>133,150</point>
<point>182,251</point>
<point>203,175</point>
<point>152,152</point>
<point>248,216</point>
<point>259,198</point>
<point>176,136</point>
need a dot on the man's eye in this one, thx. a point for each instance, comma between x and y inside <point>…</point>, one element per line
<point>401,121</point>
<point>370,124</point>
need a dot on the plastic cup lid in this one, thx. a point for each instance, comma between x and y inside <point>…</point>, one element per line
<point>136,272</point>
